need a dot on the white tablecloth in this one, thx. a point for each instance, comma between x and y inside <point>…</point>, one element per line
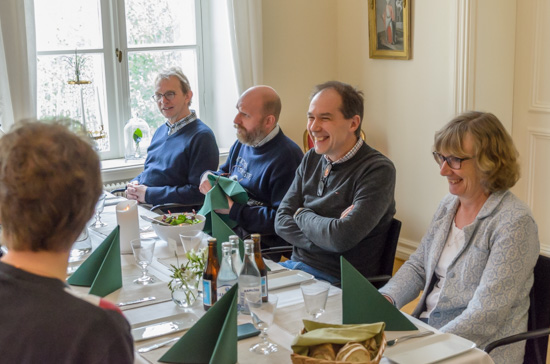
<point>290,310</point>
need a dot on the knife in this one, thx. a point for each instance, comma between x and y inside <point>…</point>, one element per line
<point>147,349</point>
<point>145,299</point>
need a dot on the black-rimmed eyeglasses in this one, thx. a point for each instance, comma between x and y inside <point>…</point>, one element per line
<point>323,182</point>
<point>452,162</point>
<point>168,95</point>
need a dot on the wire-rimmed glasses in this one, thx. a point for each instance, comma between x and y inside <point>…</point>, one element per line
<point>169,95</point>
<point>100,204</point>
<point>143,249</point>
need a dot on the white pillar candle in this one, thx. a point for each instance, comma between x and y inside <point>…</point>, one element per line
<point>127,219</point>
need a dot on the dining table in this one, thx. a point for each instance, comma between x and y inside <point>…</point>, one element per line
<point>288,317</point>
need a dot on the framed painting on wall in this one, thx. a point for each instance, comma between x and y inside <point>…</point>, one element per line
<point>390,29</point>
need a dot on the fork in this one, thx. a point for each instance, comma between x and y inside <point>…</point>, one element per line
<point>403,338</point>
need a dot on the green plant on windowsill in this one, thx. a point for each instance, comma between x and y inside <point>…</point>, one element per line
<point>185,278</point>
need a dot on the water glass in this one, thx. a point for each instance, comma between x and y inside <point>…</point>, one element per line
<point>143,249</point>
<point>98,210</point>
<point>81,247</point>
<point>262,314</point>
<point>315,297</point>
<point>191,240</point>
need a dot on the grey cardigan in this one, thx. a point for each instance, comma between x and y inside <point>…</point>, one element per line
<point>486,293</point>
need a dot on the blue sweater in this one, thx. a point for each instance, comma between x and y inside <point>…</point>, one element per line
<point>266,173</point>
<point>175,163</point>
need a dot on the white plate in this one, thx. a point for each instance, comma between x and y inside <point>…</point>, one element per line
<point>428,349</point>
<point>286,279</point>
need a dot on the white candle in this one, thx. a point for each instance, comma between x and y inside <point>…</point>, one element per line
<point>127,219</point>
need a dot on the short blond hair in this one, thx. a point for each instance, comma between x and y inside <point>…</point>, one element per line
<point>50,181</point>
<point>495,153</point>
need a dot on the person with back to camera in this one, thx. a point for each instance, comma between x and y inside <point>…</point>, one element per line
<point>475,263</point>
<point>50,181</point>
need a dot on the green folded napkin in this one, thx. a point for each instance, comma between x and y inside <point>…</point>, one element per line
<point>213,339</point>
<point>321,333</point>
<point>362,303</point>
<point>102,271</point>
<point>218,226</point>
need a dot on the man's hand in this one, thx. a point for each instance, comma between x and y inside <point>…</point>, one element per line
<point>346,212</point>
<point>205,185</point>
<point>135,191</point>
<point>226,211</point>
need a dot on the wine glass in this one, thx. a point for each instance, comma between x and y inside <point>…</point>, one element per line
<point>143,249</point>
<point>262,316</point>
<point>315,297</point>
<point>98,210</point>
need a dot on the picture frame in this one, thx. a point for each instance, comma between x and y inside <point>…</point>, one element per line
<point>390,29</point>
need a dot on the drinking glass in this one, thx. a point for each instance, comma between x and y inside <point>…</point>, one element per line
<point>98,210</point>
<point>315,297</point>
<point>262,316</point>
<point>143,249</point>
<point>191,240</point>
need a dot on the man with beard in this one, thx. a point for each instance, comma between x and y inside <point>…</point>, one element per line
<point>263,161</point>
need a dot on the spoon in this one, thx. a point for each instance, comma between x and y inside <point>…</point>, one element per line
<point>147,218</point>
<point>403,338</point>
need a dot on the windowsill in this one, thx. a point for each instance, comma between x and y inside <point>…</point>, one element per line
<point>115,170</point>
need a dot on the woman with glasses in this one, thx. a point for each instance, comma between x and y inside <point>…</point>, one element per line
<point>475,264</point>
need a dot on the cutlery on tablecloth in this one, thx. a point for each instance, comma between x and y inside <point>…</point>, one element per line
<point>147,349</point>
<point>145,299</point>
<point>403,338</point>
<point>147,218</point>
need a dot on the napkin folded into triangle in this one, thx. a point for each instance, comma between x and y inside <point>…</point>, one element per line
<point>102,271</point>
<point>363,304</point>
<point>213,339</point>
<point>218,226</point>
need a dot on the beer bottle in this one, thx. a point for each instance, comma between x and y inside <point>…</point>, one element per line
<point>249,278</point>
<point>210,275</point>
<point>227,276</point>
<point>260,264</point>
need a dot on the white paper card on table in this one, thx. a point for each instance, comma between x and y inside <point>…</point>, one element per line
<point>150,331</point>
<point>428,349</point>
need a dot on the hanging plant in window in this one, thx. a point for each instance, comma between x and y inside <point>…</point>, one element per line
<point>77,63</point>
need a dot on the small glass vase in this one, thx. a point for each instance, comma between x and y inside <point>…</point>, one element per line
<point>185,293</point>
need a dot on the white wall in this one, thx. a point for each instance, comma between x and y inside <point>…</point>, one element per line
<point>311,41</point>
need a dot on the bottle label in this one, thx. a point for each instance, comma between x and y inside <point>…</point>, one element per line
<point>242,306</point>
<point>207,292</point>
<point>223,290</point>
<point>264,286</point>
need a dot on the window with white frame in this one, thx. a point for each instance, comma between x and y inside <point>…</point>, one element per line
<point>97,60</point>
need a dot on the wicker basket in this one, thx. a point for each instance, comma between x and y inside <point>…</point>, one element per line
<point>301,359</point>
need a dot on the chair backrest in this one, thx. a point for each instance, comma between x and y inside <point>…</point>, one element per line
<point>388,257</point>
<point>539,312</point>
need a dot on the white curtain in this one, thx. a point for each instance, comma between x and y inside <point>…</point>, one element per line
<point>245,23</point>
<point>17,61</point>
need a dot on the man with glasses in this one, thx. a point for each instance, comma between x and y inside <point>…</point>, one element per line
<point>263,160</point>
<point>181,149</point>
<point>341,201</point>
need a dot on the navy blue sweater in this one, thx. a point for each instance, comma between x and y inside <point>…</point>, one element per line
<point>266,173</point>
<point>175,163</point>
